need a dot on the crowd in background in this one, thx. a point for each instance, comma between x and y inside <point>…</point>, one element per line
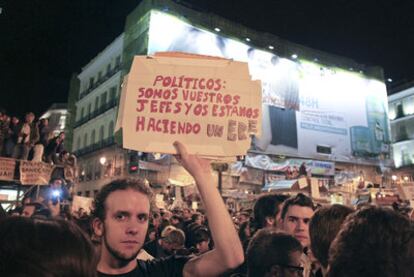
<point>124,235</point>
<point>28,139</point>
<point>280,234</point>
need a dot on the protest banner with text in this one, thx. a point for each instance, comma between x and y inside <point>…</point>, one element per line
<point>211,105</point>
<point>35,173</point>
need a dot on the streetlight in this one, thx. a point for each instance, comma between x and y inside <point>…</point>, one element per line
<point>102,160</point>
<point>393,178</point>
<point>220,167</point>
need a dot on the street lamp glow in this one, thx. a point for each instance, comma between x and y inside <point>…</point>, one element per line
<point>271,47</point>
<point>217,29</point>
<point>389,80</point>
<point>394,178</point>
<point>247,39</point>
<point>406,178</point>
<point>294,56</point>
<point>102,160</point>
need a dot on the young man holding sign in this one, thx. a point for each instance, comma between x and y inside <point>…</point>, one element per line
<point>122,211</point>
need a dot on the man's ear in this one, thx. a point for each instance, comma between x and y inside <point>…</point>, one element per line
<point>98,227</point>
<point>270,221</point>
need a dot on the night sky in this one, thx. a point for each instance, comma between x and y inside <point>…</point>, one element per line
<point>42,42</point>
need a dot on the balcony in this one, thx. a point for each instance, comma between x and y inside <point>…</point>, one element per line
<point>100,81</point>
<point>113,103</point>
<point>95,147</point>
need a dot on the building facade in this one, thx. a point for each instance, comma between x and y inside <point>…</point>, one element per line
<point>332,110</point>
<point>401,111</point>
<point>99,158</point>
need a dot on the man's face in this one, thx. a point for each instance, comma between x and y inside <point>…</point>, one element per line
<point>186,214</point>
<point>29,118</point>
<point>202,246</point>
<point>125,224</point>
<point>296,223</point>
<point>28,211</point>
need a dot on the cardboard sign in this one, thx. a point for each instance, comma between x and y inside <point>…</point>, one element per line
<point>35,173</point>
<point>315,188</point>
<point>209,104</point>
<point>82,202</point>
<point>7,167</point>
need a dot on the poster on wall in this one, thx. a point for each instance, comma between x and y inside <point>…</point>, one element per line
<point>308,109</point>
<point>209,104</point>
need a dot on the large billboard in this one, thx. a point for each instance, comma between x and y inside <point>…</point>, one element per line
<point>309,110</point>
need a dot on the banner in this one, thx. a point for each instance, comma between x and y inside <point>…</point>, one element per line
<point>82,202</point>
<point>209,104</point>
<point>7,168</point>
<point>35,173</point>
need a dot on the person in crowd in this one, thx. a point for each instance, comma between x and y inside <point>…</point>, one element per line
<point>4,127</point>
<point>274,253</point>
<point>201,240</point>
<point>45,133</point>
<point>54,148</point>
<point>266,214</point>
<point>373,241</point>
<point>296,214</point>
<point>187,216</point>
<point>171,241</point>
<point>35,209</point>
<point>27,137</point>
<point>36,247</point>
<point>197,218</point>
<point>177,221</point>
<point>122,210</point>
<point>323,228</point>
<point>243,217</point>
<point>11,136</point>
<point>266,211</point>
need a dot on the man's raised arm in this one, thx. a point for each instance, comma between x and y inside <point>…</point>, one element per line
<point>228,251</point>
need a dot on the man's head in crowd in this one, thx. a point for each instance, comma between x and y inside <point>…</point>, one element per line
<point>323,228</point>
<point>295,217</point>
<point>266,211</point>
<point>37,247</point>
<point>172,239</point>
<point>373,242</point>
<point>274,253</point>
<point>197,218</point>
<point>35,209</point>
<point>121,212</point>
<point>29,117</point>
<point>187,214</point>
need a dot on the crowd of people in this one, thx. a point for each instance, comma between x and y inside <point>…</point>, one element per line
<point>28,139</point>
<point>283,235</point>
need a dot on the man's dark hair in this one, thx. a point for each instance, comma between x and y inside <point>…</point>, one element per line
<point>137,184</point>
<point>266,206</point>
<point>323,228</point>
<point>39,247</point>
<point>373,242</point>
<point>267,248</point>
<point>298,200</point>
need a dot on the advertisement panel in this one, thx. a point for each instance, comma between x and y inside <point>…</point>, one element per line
<point>309,110</point>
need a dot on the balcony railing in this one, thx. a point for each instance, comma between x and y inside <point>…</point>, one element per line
<point>95,147</point>
<point>97,112</point>
<point>100,81</point>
